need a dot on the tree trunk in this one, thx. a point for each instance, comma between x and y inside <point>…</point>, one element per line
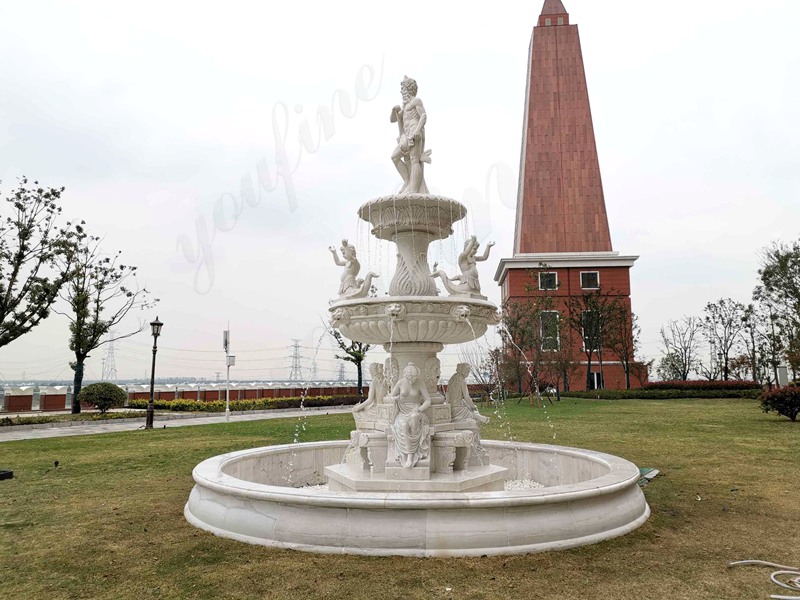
<point>77,383</point>
<point>627,366</point>
<point>360,379</point>
<point>600,364</point>
<point>588,371</point>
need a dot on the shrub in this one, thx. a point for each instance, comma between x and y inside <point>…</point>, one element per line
<point>784,401</point>
<point>242,405</point>
<point>102,396</point>
<point>703,385</point>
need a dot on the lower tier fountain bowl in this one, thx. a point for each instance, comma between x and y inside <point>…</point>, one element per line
<point>273,496</point>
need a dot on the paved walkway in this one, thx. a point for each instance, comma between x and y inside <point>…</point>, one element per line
<point>93,427</point>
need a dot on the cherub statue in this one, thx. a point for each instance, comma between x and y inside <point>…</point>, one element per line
<point>410,153</point>
<point>467,262</point>
<point>350,286</point>
<point>410,427</point>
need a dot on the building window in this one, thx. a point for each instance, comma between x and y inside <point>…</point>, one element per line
<point>548,281</point>
<point>590,280</point>
<point>550,339</point>
<point>590,323</point>
<point>596,381</point>
<point>560,20</point>
<point>547,22</point>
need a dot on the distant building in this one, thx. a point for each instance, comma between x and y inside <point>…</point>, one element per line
<point>561,217</point>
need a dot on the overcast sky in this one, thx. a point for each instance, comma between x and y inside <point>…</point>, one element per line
<point>152,114</point>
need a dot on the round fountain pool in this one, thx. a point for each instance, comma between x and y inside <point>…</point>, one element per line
<point>272,496</point>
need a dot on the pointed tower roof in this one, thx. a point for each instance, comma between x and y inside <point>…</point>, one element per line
<point>553,7</point>
<point>560,206</point>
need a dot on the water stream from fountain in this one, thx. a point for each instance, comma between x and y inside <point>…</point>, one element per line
<point>302,420</point>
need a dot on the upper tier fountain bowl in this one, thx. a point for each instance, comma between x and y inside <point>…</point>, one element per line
<point>447,320</point>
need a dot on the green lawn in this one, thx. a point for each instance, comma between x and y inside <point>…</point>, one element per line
<point>108,522</point>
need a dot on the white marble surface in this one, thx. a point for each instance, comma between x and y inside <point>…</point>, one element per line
<point>590,496</point>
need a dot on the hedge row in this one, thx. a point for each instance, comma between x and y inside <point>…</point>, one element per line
<point>668,394</point>
<point>241,405</point>
<point>703,385</point>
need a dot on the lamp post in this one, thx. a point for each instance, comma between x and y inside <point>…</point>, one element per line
<point>155,328</point>
<point>230,361</point>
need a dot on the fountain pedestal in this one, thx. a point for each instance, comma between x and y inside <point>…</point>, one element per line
<point>491,478</point>
<point>413,324</point>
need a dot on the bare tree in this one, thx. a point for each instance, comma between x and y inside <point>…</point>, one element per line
<point>723,325</point>
<point>559,364</point>
<point>593,316</point>
<point>100,294</point>
<point>483,365</point>
<point>681,341</point>
<point>623,338</point>
<point>641,370</point>
<point>36,257</point>
<point>518,332</point>
<point>354,352</point>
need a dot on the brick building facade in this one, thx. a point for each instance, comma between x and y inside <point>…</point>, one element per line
<point>561,225</point>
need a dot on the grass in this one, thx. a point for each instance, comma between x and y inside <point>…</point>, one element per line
<point>108,523</point>
<point>82,416</point>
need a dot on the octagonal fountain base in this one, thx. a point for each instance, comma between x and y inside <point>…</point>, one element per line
<point>272,496</point>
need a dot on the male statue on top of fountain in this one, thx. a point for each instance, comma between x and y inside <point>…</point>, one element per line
<point>410,153</point>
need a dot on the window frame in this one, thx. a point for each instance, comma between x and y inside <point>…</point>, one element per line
<point>560,20</point>
<point>582,273</point>
<point>598,380</point>
<point>548,22</point>
<point>558,331</point>
<point>545,289</point>
<point>583,333</point>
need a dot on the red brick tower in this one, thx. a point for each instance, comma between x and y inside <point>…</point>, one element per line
<point>561,214</point>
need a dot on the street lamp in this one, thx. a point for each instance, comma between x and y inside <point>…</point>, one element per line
<point>230,361</point>
<point>155,328</point>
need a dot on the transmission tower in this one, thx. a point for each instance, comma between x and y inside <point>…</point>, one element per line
<point>314,370</point>
<point>109,366</point>
<point>341,371</point>
<point>295,370</point>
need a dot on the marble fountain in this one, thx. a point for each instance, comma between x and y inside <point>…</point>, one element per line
<point>415,478</point>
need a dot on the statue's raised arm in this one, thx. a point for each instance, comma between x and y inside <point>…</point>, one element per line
<point>485,252</point>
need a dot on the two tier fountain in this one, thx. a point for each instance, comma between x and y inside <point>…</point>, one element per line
<point>415,478</point>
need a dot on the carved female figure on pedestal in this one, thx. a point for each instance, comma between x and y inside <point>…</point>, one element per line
<point>411,426</point>
<point>462,406</point>
<point>377,390</point>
